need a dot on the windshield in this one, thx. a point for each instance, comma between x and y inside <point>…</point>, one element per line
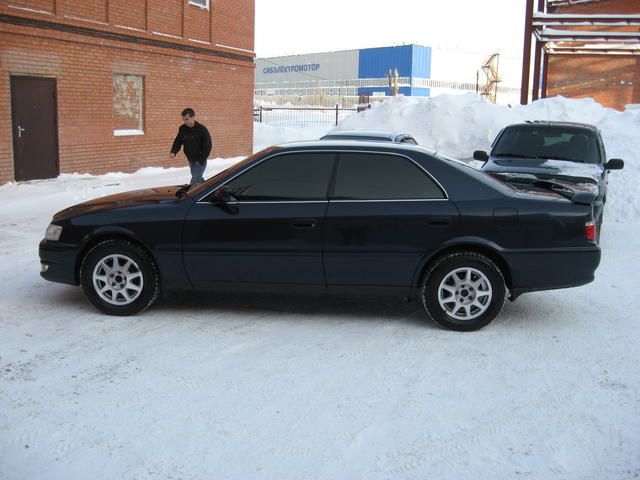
<point>575,144</point>
<point>196,189</point>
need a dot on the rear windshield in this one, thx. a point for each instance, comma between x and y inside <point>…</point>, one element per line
<point>569,143</point>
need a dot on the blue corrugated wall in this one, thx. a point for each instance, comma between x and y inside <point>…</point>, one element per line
<point>376,62</point>
<point>410,60</point>
<point>421,62</point>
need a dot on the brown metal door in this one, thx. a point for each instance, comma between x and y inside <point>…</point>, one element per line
<point>35,130</point>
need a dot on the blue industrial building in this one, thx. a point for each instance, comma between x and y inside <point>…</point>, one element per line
<point>352,72</point>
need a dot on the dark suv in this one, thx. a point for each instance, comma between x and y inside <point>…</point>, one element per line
<point>567,157</point>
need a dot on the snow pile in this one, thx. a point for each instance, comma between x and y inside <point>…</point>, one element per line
<point>265,135</point>
<point>459,124</point>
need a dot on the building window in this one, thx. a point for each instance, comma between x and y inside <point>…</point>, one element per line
<point>200,3</point>
<point>128,103</point>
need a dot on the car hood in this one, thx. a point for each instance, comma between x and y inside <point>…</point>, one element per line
<point>146,196</point>
<point>547,169</point>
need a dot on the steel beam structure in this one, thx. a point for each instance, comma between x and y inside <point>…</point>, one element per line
<point>565,34</point>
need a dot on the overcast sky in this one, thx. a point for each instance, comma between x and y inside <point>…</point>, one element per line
<point>285,27</point>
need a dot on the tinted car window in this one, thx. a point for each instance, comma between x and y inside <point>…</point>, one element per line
<point>295,176</point>
<point>364,176</point>
<point>237,167</point>
<point>553,142</point>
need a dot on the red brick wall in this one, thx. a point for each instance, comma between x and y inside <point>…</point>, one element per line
<point>128,13</point>
<point>166,17</point>
<point>95,10</point>
<point>612,80</point>
<point>197,23</point>
<point>219,89</point>
<point>44,5</point>
<point>237,17</point>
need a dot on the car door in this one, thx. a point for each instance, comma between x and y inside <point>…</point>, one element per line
<point>270,233</point>
<point>385,213</point>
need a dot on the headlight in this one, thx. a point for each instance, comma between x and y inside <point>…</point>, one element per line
<point>53,232</point>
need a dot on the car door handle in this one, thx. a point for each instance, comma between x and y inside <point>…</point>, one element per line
<point>304,223</point>
<point>439,221</point>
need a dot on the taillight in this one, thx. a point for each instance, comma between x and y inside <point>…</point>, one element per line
<point>590,231</point>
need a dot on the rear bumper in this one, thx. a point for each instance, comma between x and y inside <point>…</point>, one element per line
<point>551,269</point>
<point>58,262</point>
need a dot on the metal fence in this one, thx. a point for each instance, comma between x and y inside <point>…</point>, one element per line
<point>303,116</point>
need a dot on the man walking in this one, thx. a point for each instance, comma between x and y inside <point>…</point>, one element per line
<point>197,145</point>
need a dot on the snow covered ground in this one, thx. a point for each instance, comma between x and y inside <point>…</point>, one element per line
<point>281,387</point>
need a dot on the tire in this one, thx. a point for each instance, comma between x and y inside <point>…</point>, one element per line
<point>463,291</point>
<point>119,278</point>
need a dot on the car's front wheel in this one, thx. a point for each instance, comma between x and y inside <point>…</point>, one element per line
<point>464,291</point>
<point>119,278</point>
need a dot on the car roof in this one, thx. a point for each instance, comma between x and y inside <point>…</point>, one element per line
<point>383,135</point>
<point>549,123</point>
<point>335,144</point>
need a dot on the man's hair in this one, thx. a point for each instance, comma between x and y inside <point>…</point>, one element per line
<point>188,111</point>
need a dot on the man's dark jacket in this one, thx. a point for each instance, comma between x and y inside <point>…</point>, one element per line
<point>196,141</point>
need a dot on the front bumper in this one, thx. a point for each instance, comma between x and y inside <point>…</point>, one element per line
<point>551,269</point>
<point>58,262</point>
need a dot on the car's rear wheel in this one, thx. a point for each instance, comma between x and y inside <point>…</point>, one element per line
<point>119,278</point>
<point>463,291</point>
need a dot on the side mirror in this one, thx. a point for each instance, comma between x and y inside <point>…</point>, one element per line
<point>481,155</point>
<point>614,164</point>
<point>223,195</point>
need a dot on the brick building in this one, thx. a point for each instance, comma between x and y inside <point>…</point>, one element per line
<point>612,80</point>
<point>98,85</point>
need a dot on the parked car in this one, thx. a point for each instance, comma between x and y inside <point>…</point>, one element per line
<point>347,217</point>
<point>371,136</point>
<point>561,155</point>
